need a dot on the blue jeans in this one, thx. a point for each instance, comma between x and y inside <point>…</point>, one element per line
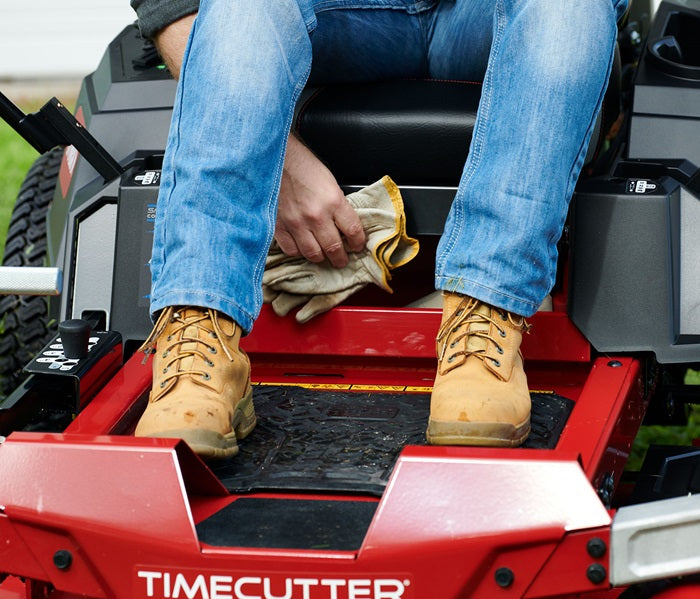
<point>544,64</point>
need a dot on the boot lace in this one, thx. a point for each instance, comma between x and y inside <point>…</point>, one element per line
<point>181,344</point>
<point>474,328</point>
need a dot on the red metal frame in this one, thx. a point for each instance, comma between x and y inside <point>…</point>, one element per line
<point>123,505</point>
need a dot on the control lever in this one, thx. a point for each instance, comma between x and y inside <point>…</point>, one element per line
<point>75,337</point>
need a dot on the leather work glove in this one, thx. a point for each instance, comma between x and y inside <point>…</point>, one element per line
<point>289,282</point>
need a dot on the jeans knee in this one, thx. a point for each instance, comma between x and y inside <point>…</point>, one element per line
<point>562,41</point>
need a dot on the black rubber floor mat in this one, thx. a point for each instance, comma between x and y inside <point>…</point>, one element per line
<point>311,440</point>
<point>289,524</point>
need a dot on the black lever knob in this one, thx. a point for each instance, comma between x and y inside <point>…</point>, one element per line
<point>75,336</point>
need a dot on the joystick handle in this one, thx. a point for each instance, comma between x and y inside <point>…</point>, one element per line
<point>75,336</point>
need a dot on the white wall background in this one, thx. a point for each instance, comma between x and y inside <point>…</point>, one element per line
<point>57,38</point>
<point>60,38</point>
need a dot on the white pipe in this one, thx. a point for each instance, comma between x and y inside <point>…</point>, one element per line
<point>30,280</point>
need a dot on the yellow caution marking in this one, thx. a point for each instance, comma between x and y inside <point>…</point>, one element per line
<point>349,387</point>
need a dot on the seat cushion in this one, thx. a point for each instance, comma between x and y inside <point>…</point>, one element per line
<point>416,131</point>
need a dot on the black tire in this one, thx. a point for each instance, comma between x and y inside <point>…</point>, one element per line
<point>25,323</point>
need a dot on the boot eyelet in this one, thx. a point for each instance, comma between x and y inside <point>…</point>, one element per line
<point>165,370</point>
<point>165,353</point>
<point>206,376</point>
<point>169,338</point>
<point>213,335</point>
<point>212,350</point>
<point>162,385</point>
<point>453,345</point>
<point>496,363</point>
<point>504,316</point>
<point>450,359</point>
<point>499,349</point>
<point>502,333</point>
<point>210,363</point>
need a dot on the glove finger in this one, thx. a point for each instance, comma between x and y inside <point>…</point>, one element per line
<point>324,302</point>
<point>269,294</point>
<point>284,303</point>
<point>285,276</point>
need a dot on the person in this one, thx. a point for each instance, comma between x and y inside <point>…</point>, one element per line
<point>233,176</point>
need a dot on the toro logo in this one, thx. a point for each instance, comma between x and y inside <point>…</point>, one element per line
<point>189,584</point>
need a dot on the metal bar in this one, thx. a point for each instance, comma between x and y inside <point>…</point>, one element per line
<point>30,280</point>
<point>655,540</point>
<point>70,132</point>
<point>54,125</point>
<point>10,113</point>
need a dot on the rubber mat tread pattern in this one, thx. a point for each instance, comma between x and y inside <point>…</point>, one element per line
<point>329,441</point>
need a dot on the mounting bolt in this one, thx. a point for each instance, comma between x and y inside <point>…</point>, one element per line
<point>606,488</point>
<point>614,363</point>
<point>62,559</point>
<point>596,547</point>
<point>596,573</point>
<point>504,577</point>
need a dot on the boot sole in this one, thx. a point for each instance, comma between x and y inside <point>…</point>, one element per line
<point>490,434</point>
<point>212,445</point>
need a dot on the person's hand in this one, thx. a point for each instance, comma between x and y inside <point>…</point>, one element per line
<point>314,219</point>
<point>289,282</point>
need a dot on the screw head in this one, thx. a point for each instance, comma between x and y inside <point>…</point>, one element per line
<point>62,559</point>
<point>596,547</point>
<point>504,577</point>
<point>596,573</point>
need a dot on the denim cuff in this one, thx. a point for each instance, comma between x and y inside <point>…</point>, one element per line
<point>154,15</point>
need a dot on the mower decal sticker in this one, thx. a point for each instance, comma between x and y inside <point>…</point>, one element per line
<point>640,186</point>
<point>69,160</point>
<point>352,387</point>
<point>150,214</point>
<point>55,359</point>
<point>191,584</point>
<point>148,178</point>
<point>385,388</point>
<point>322,386</point>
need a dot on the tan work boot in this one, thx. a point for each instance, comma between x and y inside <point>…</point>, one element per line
<point>480,395</point>
<point>201,382</point>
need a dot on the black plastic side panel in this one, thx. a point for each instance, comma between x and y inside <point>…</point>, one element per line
<point>126,106</point>
<point>132,276</point>
<point>635,278</point>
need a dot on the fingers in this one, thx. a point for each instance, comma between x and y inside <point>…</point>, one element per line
<point>314,244</point>
<point>314,219</point>
<point>286,241</point>
<point>350,225</point>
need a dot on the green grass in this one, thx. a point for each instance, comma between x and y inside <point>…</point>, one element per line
<point>692,377</point>
<point>16,156</point>
<point>667,435</point>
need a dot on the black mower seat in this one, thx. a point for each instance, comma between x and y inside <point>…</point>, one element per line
<point>416,131</point>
